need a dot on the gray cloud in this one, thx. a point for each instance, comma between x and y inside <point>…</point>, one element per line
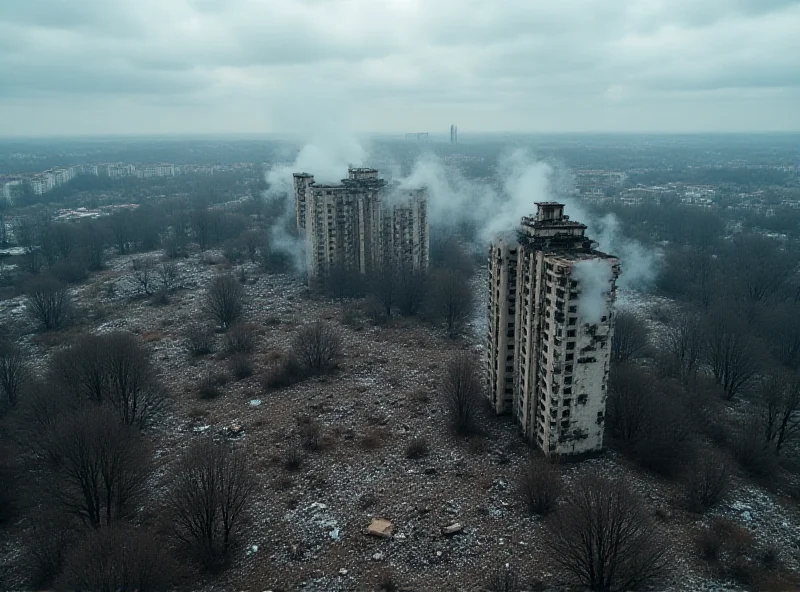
<point>216,65</point>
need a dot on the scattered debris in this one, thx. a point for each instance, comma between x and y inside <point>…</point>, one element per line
<point>380,528</point>
<point>255,402</point>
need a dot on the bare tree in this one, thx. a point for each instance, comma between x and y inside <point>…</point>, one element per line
<point>117,558</point>
<point>461,388</point>
<point>114,369</point>
<point>383,284</point>
<point>630,336</point>
<point>758,267</point>
<point>144,272</point>
<point>48,302</point>
<point>750,448</point>
<point>14,371</point>
<point>540,486</point>
<point>80,369</point>
<point>604,538</point>
<point>682,340</point>
<point>224,300</point>
<point>92,239</point>
<point>96,466</point>
<point>630,403</point>
<point>317,346</point>
<point>451,300</point>
<point>706,480</point>
<point>27,234</point>
<point>169,275</point>
<point>252,242</point>
<point>779,402</point>
<point>133,388</point>
<point>121,225</point>
<point>412,288</point>
<point>731,352</point>
<point>64,237</point>
<point>210,492</point>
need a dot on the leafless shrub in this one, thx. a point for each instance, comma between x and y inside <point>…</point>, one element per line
<point>224,300</point>
<point>750,449</point>
<point>10,478</point>
<point>293,457</point>
<point>504,579</point>
<point>604,539</point>
<point>160,298</point>
<point>461,389</point>
<point>199,339</point>
<point>317,347</point>
<point>664,448</point>
<point>540,487</point>
<point>210,386</point>
<point>211,489</point>
<point>373,439</point>
<point>779,403</point>
<point>48,541</point>
<point>70,271</point>
<point>94,466</point>
<point>706,481</point>
<point>240,366</point>
<point>48,302</point>
<point>417,448</point>
<point>169,275</point>
<point>733,552</point>
<point>144,273</point>
<point>387,582</point>
<point>310,433</point>
<point>14,371</point>
<point>241,338</point>
<point>119,558</point>
<point>283,373</point>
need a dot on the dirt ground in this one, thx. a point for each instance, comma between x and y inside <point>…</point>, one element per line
<point>306,528</point>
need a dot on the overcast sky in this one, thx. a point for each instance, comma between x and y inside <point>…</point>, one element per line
<point>174,66</point>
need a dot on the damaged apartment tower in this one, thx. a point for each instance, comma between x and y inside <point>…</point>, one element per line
<point>360,224</point>
<point>550,328</point>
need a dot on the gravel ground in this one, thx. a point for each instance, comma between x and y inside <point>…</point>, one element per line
<point>306,529</point>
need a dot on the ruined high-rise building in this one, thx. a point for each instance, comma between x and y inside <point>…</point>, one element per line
<point>551,321</point>
<point>361,223</point>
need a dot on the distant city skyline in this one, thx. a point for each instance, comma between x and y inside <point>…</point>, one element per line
<point>93,67</point>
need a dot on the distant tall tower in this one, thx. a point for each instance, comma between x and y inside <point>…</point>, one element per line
<point>454,134</point>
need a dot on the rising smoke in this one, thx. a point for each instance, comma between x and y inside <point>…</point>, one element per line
<point>454,200</point>
<point>594,277</point>
<point>326,157</point>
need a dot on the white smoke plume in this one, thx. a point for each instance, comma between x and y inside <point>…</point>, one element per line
<point>638,264</point>
<point>594,277</point>
<point>327,155</point>
<point>452,198</point>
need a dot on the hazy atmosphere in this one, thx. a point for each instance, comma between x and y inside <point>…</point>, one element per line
<point>399,295</point>
<point>219,66</point>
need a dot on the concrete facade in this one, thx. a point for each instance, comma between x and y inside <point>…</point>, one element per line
<point>550,328</point>
<point>360,223</point>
